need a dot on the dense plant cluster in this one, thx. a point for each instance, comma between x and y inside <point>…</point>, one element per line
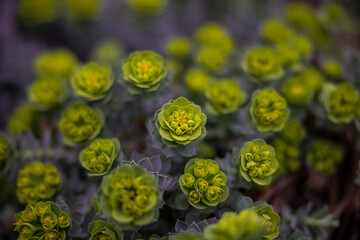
<point>213,133</point>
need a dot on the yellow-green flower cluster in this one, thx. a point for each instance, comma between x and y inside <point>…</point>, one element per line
<point>324,157</point>
<point>258,162</point>
<point>268,110</point>
<point>80,123</point>
<point>178,47</point>
<point>197,80</point>
<point>233,226</point>
<point>130,195</point>
<point>83,10</point>
<point>301,14</point>
<point>274,31</point>
<point>211,58</point>
<point>4,150</point>
<point>181,122</point>
<point>333,17</point>
<point>270,221</point>
<point>313,78</point>
<point>101,230</point>
<point>92,81</point>
<point>224,97</point>
<point>59,63</point>
<point>22,119</point>
<point>37,181</point>
<point>143,72</point>
<point>297,92</point>
<point>341,102</point>
<point>99,156</point>
<point>203,183</point>
<point>147,8</point>
<point>332,69</point>
<point>107,52</point>
<point>288,53</point>
<point>47,92</point>
<point>262,63</point>
<point>37,12</point>
<point>293,131</point>
<point>42,220</point>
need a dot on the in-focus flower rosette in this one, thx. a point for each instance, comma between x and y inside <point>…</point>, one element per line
<point>22,119</point>
<point>256,162</point>
<point>324,157</point>
<point>268,110</point>
<point>340,102</point>
<point>43,220</point>
<point>130,196</point>
<point>179,124</point>
<point>203,183</point>
<point>262,63</point>
<point>37,181</point>
<point>224,97</point>
<point>80,123</point>
<point>59,63</point>
<point>297,92</point>
<point>102,230</point>
<point>270,220</point>
<point>92,81</point>
<point>143,72</point>
<point>99,157</point>
<point>46,93</point>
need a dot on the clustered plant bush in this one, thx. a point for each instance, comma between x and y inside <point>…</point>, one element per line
<point>200,138</point>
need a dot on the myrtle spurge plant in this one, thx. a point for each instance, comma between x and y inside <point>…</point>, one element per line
<point>274,31</point>
<point>98,158</point>
<point>297,92</point>
<point>224,97</point>
<point>37,181</point>
<point>332,69</point>
<point>203,183</point>
<point>270,221</point>
<point>80,123</point>
<point>85,11</point>
<point>147,8</point>
<point>197,80</point>
<point>313,78</point>
<point>22,119</point>
<point>100,230</point>
<point>178,47</point>
<point>268,110</point>
<point>92,81</point>
<point>107,52</point>
<point>42,220</point>
<point>4,150</point>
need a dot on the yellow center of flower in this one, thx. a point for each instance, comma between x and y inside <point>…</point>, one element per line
<point>144,67</point>
<point>48,221</point>
<point>103,237</point>
<point>26,231</point>
<point>180,120</point>
<point>52,235</point>
<point>93,80</point>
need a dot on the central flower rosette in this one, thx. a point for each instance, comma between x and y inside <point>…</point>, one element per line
<point>181,121</point>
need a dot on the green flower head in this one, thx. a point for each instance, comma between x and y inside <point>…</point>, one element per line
<point>258,162</point>
<point>288,156</point>
<point>147,8</point>
<point>301,15</point>
<point>178,47</point>
<point>130,195</point>
<point>197,80</point>
<point>37,181</point>
<point>107,52</point>
<point>324,157</point>
<point>37,12</point>
<point>312,78</point>
<point>211,58</point>
<point>262,63</point>
<point>204,183</point>
<point>245,225</point>
<point>80,123</point>
<point>270,221</point>
<point>288,54</point>
<point>53,234</point>
<point>297,92</point>
<point>63,220</point>
<point>4,150</point>
<point>341,102</point>
<point>181,121</point>
<point>101,230</point>
<point>274,31</point>
<point>303,45</point>
<point>332,69</point>
<point>22,119</point>
<point>224,97</point>
<point>92,81</point>
<point>100,155</point>
<point>59,63</point>
<point>268,110</point>
<point>293,131</point>
<point>46,93</point>
<point>83,10</point>
<point>49,220</point>
<point>143,72</point>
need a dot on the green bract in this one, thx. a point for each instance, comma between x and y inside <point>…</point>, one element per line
<point>101,230</point>
<point>270,221</point>
<point>37,181</point>
<point>341,102</point>
<point>211,58</point>
<point>312,78</point>
<point>303,45</point>
<point>297,92</point>
<point>189,236</point>
<point>46,93</point>
<point>258,162</point>
<point>22,119</point>
<point>107,52</point>
<point>147,8</point>
<point>36,12</point>
<point>100,155</point>
<point>288,54</point>
<point>274,31</point>
<point>224,97</point>
<point>181,121</point>
<point>288,156</point>
<point>59,63</point>
<point>83,10</point>
<point>80,123</point>
<point>332,69</point>
<point>178,47</point>
<point>301,14</point>
<point>204,183</point>
<point>245,226</point>
<point>262,63</point>
<point>130,195</point>
<point>4,150</point>
<point>324,157</point>
<point>293,131</point>
<point>92,81</point>
<point>268,110</point>
<point>143,72</point>
<point>42,220</point>
<point>197,80</point>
